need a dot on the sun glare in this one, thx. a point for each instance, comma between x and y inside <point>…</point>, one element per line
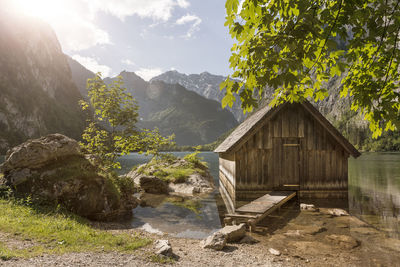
<point>48,10</point>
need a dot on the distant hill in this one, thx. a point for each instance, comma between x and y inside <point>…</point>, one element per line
<point>172,108</point>
<point>205,84</point>
<point>38,95</point>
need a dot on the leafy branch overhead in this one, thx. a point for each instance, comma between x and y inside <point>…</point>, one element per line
<point>112,130</point>
<point>295,47</point>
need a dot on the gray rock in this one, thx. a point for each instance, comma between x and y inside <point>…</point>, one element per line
<point>234,233</point>
<point>274,252</point>
<point>196,183</point>
<point>70,180</point>
<point>344,241</point>
<point>336,212</point>
<point>216,241</point>
<point>38,152</point>
<point>154,185</point>
<point>308,207</point>
<point>163,248</point>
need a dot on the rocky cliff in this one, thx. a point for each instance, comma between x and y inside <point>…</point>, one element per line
<point>172,108</point>
<point>38,95</point>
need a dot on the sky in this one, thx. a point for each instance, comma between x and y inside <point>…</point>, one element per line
<point>148,37</point>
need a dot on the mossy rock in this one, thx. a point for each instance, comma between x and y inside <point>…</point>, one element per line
<point>74,182</point>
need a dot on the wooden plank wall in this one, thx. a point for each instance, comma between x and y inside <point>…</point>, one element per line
<point>322,161</point>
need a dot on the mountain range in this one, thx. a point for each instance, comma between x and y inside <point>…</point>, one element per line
<point>205,84</point>
<point>194,119</point>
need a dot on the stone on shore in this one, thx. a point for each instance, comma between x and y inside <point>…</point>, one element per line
<point>153,185</point>
<point>230,233</point>
<point>274,252</point>
<point>163,248</point>
<point>234,233</point>
<point>308,207</point>
<point>216,241</point>
<point>335,212</point>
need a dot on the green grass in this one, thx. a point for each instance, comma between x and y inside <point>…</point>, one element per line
<point>176,175</point>
<point>55,233</point>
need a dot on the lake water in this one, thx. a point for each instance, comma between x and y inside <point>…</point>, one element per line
<point>169,216</point>
<point>374,196</point>
<point>374,190</point>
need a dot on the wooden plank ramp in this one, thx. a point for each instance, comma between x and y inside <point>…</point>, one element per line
<point>258,209</point>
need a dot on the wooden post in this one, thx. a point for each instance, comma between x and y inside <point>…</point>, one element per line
<point>252,225</point>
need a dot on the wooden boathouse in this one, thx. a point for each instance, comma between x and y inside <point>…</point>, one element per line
<point>288,149</point>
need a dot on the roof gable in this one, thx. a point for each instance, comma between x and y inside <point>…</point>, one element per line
<point>266,113</point>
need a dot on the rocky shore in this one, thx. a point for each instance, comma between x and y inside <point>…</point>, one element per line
<point>292,238</point>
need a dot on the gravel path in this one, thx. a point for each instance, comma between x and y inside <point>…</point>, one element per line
<point>308,246</point>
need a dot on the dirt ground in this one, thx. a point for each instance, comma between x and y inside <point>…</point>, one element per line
<point>303,238</point>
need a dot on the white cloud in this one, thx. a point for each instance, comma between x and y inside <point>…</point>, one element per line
<point>190,19</point>
<point>147,74</point>
<point>80,34</point>
<point>128,62</point>
<point>92,65</point>
<point>155,9</point>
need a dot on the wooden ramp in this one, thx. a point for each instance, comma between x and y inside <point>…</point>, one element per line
<point>258,209</point>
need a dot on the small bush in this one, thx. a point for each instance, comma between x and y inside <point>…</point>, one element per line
<point>195,160</point>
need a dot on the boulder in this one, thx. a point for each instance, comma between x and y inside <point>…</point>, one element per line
<point>38,152</point>
<point>343,241</point>
<point>163,248</point>
<point>216,241</point>
<point>234,233</point>
<point>70,180</point>
<point>153,185</point>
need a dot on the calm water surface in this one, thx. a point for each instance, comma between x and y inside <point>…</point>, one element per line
<point>374,196</point>
<point>374,190</point>
<point>169,216</point>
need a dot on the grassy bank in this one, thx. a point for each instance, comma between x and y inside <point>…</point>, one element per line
<point>169,168</point>
<point>51,232</point>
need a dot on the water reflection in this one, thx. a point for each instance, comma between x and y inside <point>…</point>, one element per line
<point>374,190</point>
<point>195,218</point>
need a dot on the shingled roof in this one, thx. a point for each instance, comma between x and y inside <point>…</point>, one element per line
<point>247,128</point>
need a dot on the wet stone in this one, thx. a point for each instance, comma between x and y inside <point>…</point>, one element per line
<point>365,230</point>
<point>308,207</point>
<point>343,241</point>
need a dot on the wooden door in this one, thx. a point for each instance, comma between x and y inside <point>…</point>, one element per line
<point>290,158</point>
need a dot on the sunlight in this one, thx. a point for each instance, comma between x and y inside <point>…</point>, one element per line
<point>48,10</point>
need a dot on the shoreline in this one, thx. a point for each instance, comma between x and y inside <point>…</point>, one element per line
<point>302,238</point>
